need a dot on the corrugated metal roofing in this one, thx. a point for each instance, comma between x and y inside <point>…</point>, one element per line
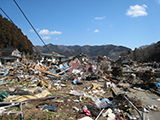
<point>8,49</point>
<point>9,58</point>
<point>50,55</point>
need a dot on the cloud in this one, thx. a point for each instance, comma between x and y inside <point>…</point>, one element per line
<point>96,31</point>
<point>44,32</point>
<point>46,37</point>
<point>55,38</point>
<point>158,1</point>
<point>99,18</point>
<point>110,25</point>
<point>31,30</point>
<point>55,32</point>
<point>136,11</point>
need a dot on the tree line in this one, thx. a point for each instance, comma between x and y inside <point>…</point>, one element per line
<point>147,53</point>
<point>8,38</point>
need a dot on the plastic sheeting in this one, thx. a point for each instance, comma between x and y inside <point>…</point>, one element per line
<point>18,98</point>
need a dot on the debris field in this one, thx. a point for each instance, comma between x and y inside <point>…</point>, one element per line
<point>78,89</point>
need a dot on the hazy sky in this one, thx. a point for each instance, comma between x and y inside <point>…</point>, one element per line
<point>130,23</point>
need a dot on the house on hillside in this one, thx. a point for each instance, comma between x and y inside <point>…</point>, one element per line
<point>9,55</point>
<point>47,59</point>
<point>124,60</point>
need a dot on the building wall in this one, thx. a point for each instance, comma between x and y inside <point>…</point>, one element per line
<point>16,53</point>
<point>9,55</point>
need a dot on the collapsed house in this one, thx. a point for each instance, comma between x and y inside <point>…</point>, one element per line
<point>47,59</point>
<point>9,55</point>
<point>75,88</point>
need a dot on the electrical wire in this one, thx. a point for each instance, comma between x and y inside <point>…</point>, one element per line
<point>6,14</point>
<point>31,25</point>
<point>16,33</point>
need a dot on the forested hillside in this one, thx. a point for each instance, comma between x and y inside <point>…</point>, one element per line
<point>111,51</point>
<point>12,37</point>
<point>147,53</point>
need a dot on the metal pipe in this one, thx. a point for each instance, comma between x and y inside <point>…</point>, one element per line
<point>143,116</point>
<point>9,112</point>
<point>99,114</point>
<point>15,104</point>
<point>21,115</point>
<point>134,107</point>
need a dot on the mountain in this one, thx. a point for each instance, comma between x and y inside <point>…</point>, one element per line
<point>147,53</point>
<point>156,54</point>
<point>111,51</point>
<point>12,37</point>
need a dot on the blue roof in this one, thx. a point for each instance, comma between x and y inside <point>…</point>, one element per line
<point>158,84</point>
<point>8,49</point>
<point>9,58</point>
<point>50,55</point>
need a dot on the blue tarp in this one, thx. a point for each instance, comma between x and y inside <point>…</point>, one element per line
<point>158,85</point>
<point>6,72</point>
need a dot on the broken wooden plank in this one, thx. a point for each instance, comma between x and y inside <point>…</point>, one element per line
<point>50,73</point>
<point>25,79</point>
<point>64,71</point>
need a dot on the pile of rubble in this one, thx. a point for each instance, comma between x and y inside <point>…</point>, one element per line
<point>75,89</point>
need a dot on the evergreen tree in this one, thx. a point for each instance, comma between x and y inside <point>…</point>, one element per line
<point>8,38</point>
<point>116,71</point>
<point>148,76</point>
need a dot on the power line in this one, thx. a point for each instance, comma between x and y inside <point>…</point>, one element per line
<point>15,32</point>
<point>31,25</point>
<point>6,14</point>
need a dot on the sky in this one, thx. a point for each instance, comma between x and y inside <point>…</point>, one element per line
<point>129,23</point>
